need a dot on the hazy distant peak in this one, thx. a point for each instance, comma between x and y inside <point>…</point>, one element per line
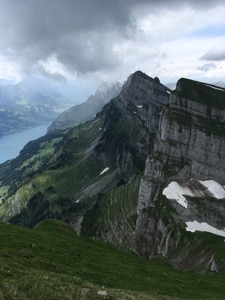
<point>105,86</point>
<point>107,91</point>
<point>219,83</point>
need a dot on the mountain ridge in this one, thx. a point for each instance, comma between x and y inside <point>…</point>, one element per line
<point>95,177</point>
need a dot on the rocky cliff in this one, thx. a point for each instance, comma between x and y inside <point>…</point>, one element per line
<point>131,123</point>
<point>182,189</point>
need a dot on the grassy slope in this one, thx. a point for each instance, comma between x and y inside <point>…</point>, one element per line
<point>51,262</point>
<point>114,214</point>
<point>70,170</point>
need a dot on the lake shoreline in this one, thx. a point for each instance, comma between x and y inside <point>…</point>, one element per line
<point>11,144</point>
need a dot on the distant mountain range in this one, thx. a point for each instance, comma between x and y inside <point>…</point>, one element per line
<point>219,83</point>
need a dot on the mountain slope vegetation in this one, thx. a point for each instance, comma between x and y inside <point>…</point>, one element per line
<point>61,174</point>
<point>145,174</point>
<point>51,262</point>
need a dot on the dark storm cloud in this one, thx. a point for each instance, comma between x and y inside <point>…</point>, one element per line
<point>207,67</point>
<point>214,55</point>
<point>80,33</point>
<point>77,31</point>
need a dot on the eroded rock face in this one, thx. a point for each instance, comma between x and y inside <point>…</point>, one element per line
<point>190,144</point>
<point>131,123</point>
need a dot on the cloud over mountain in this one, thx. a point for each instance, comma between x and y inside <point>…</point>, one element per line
<point>83,37</point>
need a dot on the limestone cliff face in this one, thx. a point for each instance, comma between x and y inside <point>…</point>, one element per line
<point>190,146</point>
<point>131,123</point>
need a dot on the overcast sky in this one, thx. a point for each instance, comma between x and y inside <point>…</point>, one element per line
<point>109,39</point>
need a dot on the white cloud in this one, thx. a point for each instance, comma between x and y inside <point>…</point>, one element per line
<point>9,69</point>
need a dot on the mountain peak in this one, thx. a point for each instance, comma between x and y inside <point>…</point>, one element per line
<point>88,109</point>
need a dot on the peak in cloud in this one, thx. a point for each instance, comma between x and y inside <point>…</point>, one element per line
<point>96,36</point>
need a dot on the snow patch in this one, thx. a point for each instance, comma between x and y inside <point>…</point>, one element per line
<point>196,226</point>
<point>208,188</point>
<point>175,191</point>
<point>215,188</point>
<point>103,171</point>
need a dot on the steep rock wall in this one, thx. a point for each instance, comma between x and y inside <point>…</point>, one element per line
<point>190,144</point>
<point>131,123</point>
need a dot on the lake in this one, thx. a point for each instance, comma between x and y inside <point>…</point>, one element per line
<point>10,145</point>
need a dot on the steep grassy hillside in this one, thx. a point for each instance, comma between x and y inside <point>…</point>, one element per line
<point>113,215</point>
<point>51,262</point>
<point>48,175</point>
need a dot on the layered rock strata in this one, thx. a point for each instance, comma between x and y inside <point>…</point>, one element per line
<point>190,146</point>
<point>131,123</point>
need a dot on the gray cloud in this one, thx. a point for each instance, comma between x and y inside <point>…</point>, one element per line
<point>207,67</point>
<point>80,33</point>
<point>214,54</point>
